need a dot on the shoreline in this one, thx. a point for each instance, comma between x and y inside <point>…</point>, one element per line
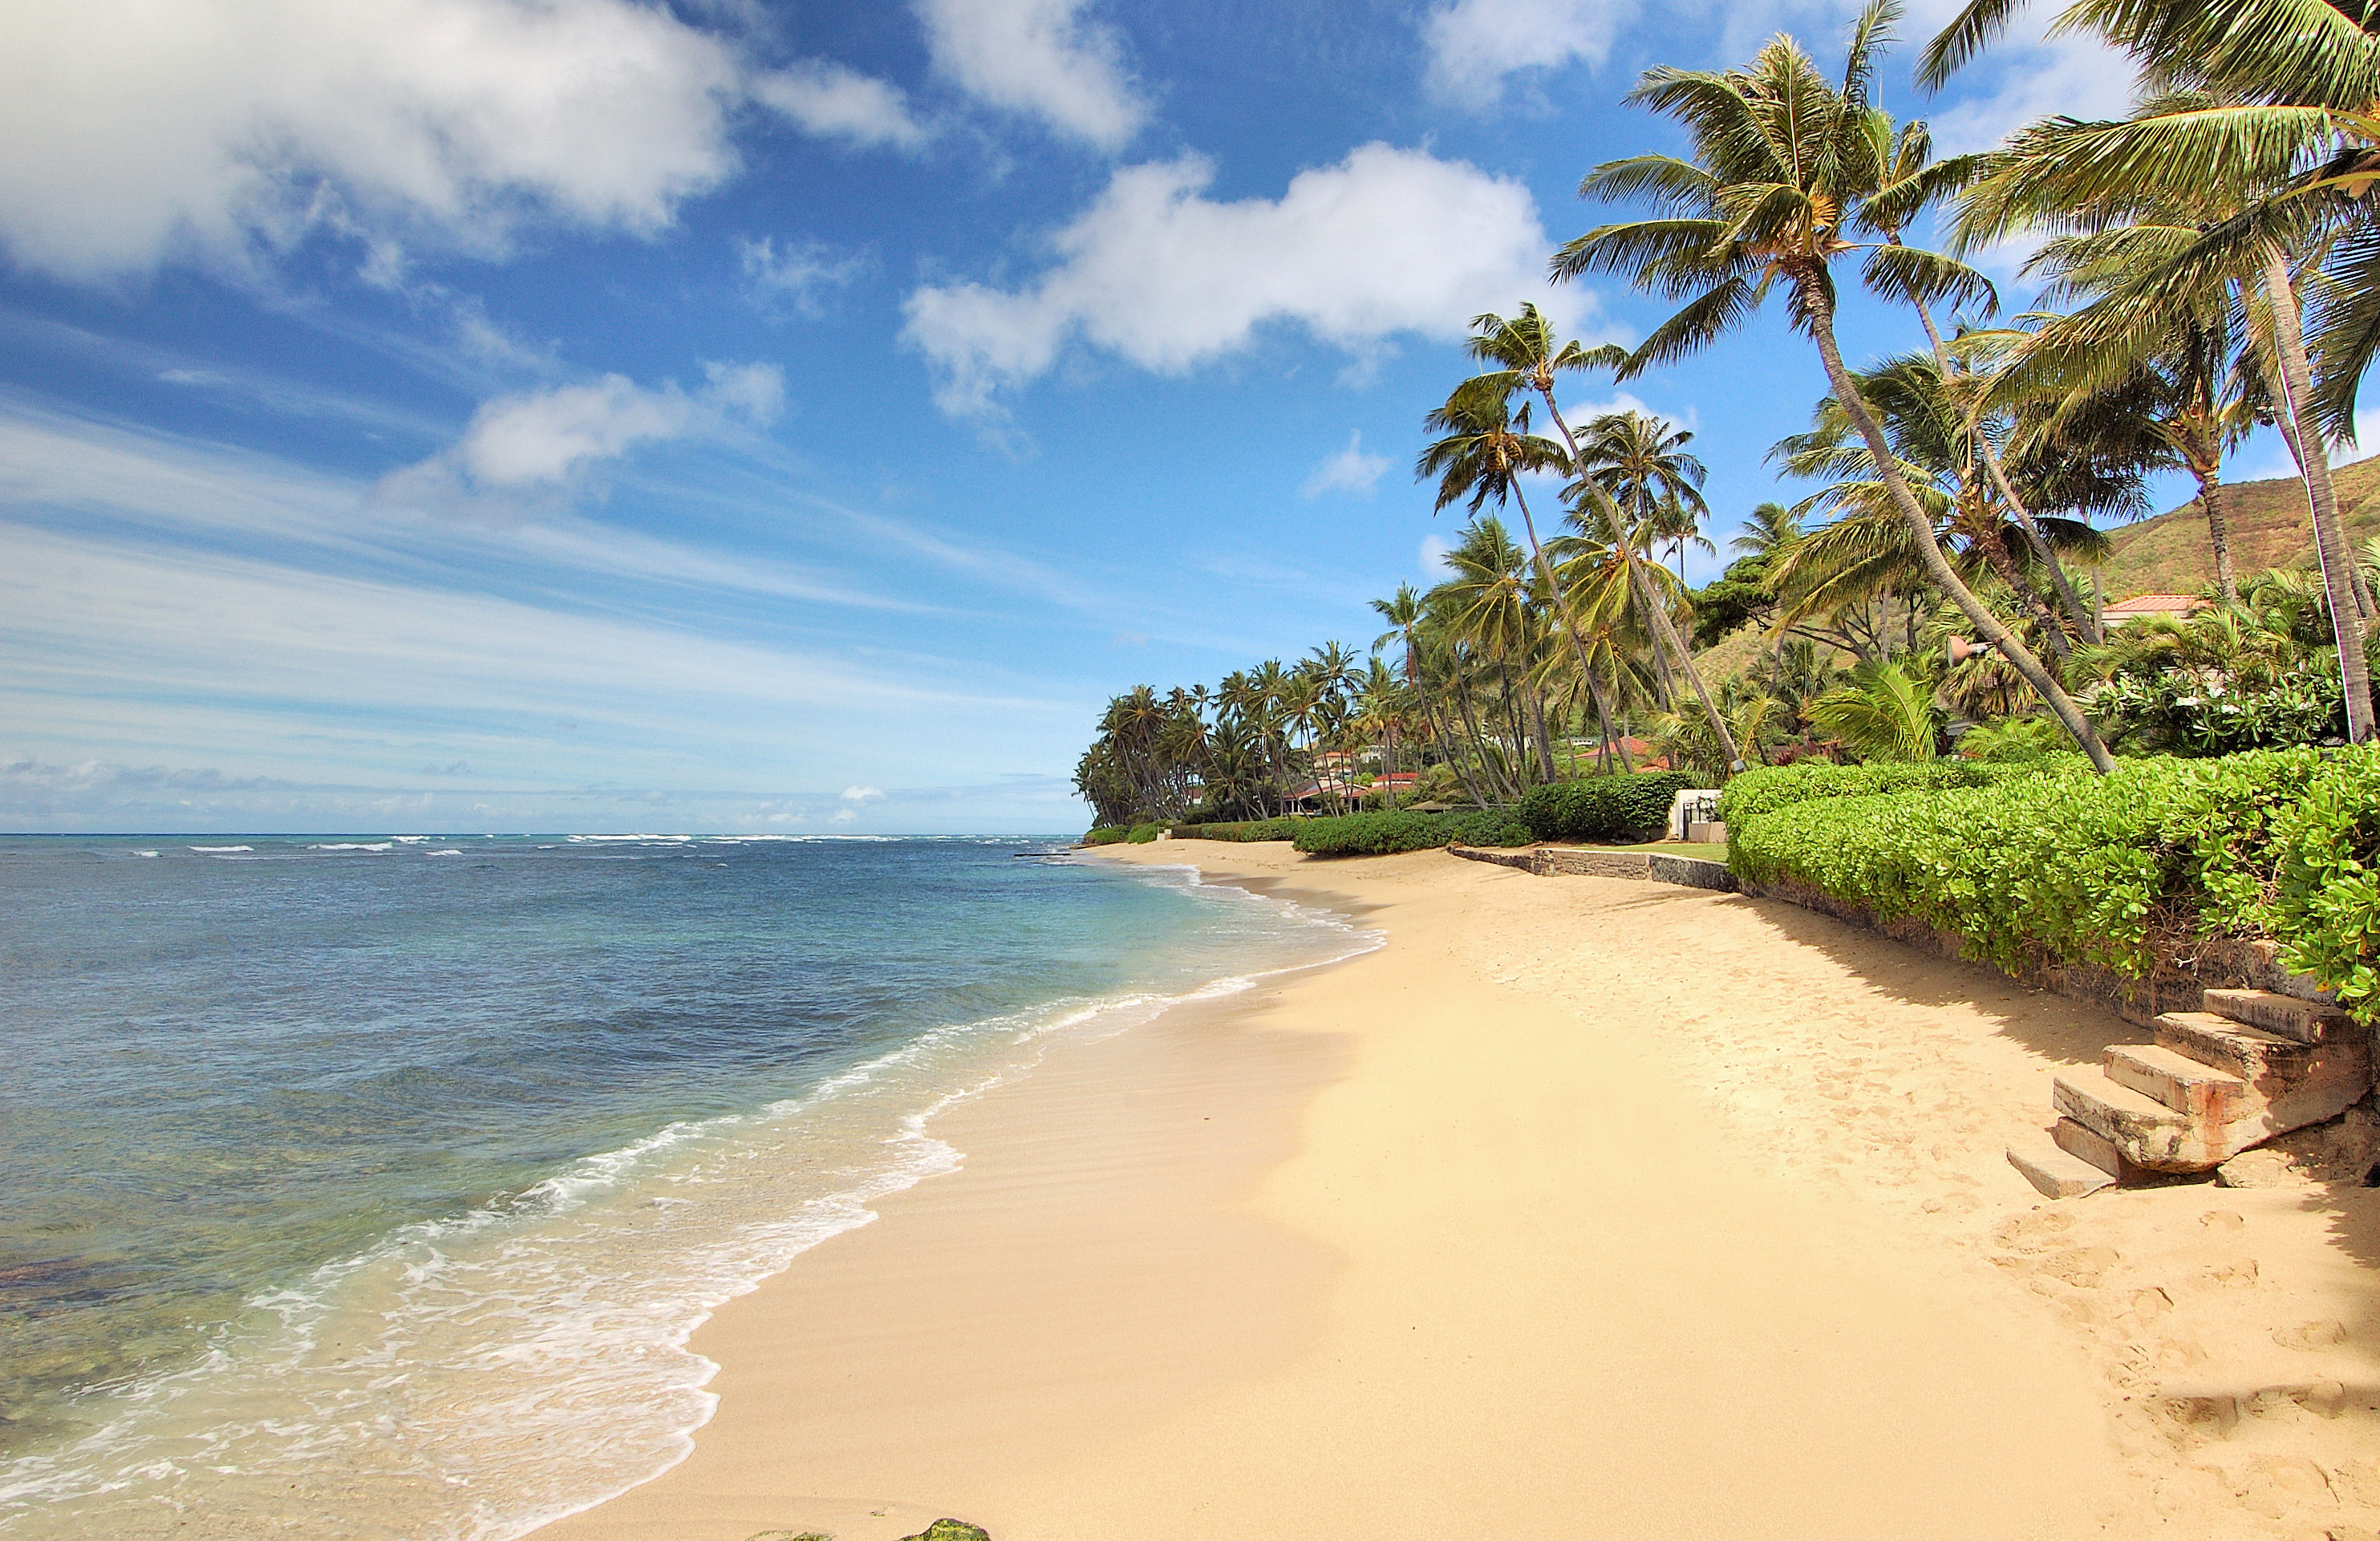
<point>1652,1213</point>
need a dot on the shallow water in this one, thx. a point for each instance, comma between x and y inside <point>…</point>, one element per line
<point>370,1187</point>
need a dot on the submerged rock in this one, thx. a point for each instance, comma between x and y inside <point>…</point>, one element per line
<point>951,1530</point>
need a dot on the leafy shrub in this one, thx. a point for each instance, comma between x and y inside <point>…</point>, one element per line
<point>2124,870</point>
<point>1141,835</point>
<point>1254,829</point>
<point>1766,789</point>
<point>1374,834</point>
<point>1107,834</point>
<point>1612,808</point>
<point>2176,714</point>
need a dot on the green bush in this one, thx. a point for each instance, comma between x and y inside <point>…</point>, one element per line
<point>1763,790</point>
<point>1254,829</point>
<point>1141,835</point>
<point>1375,834</point>
<point>1608,809</point>
<point>1107,834</point>
<point>2126,870</point>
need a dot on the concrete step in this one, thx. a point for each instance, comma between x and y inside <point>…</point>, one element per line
<point>2259,1058</point>
<point>2181,1083</point>
<point>2086,1145</point>
<point>2282,1015</point>
<point>2054,1172</point>
<point>2290,1084</point>
<point>2144,1131</point>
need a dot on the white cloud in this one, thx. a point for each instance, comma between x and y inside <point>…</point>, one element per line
<point>861,794</point>
<point>226,130</point>
<point>842,816</point>
<point>137,133</point>
<point>1350,470</point>
<point>832,101</point>
<point>1386,241</point>
<point>1474,44</point>
<point>1432,557</point>
<point>541,443</point>
<point>1040,58</point>
<point>798,273</point>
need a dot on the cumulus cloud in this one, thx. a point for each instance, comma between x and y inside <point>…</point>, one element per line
<point>861,794</point>
<point>832,101</point>
<point>1475,44</point>
<point>522,448</point>
<point>1431,557</point>
<point>1386,241</point>
<point>1350,470</point>
<point>227,130</point>
<point>797,274</point>
<point>1039,59</point>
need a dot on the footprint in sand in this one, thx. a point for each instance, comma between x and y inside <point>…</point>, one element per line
<point>2034,1230</point>
<point>2223,1220</point>
<point>2312,1337</point>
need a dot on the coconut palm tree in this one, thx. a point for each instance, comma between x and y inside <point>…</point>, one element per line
<point>1485,449</point>
<point>1771,527</point>
<point>1883,712</point>
<point>1528,355</point>
<point>1784,162</point>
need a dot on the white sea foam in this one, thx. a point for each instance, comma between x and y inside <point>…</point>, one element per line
<point>472,1378</point>
<point>449,851</point>
<point>374,846</point>
<point>410,840</point>
<point>149,854</point>
<point>220,850</point>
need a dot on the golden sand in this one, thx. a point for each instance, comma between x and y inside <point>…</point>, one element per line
<point>1582,1208</point>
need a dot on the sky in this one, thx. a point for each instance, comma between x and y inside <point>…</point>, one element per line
<point>586,415</point>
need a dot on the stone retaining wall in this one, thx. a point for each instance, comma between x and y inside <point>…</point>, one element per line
<point>2218,963</point>
<point>1572,861</point>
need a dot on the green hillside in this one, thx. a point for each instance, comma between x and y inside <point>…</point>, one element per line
<point>2169,554</point>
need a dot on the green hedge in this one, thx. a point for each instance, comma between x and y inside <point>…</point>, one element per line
<point>1108,835</point>
<point>1763,791</point>
<point>1374,834</point>
<point>1608,809</point>
<point>1252,829</point>
<point>2126,870</point>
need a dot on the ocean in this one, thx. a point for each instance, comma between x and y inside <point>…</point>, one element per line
<point>370,1186</point>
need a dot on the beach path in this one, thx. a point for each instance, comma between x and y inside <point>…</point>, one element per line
<point>1575,1209</point>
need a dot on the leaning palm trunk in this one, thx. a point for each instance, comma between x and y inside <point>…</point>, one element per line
<point>1665,641</point>
<point>1818,310</point>
<point>2084,627</point>
<point>2347,601</point>
<point>1561,608</point>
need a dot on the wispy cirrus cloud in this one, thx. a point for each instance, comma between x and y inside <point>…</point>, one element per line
<point>1350,470</point>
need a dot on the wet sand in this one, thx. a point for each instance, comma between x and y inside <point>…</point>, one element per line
<point>1582,1206</point>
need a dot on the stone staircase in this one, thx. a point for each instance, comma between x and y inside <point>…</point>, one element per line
<point>2251,1065</point>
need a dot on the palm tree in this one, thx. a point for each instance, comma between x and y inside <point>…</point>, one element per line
<point>1784,160</point>
<point>1485,450</point>
<point>1883,713</point>
<point>1772,528</point>
<point>1528,355</point>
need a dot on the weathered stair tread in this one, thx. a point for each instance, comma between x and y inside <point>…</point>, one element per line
<point>2250,1053</point>
<point>2148,1133</point>
<point>2087,1145</point>
<point>2056,1173</point>
<point>2285,1016</point>
<point>2176,1080</point>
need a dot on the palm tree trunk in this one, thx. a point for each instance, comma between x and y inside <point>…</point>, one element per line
<point>2346,597</point>
<point>1560,604</point>
<point>1657,617</point>
<point>2084,627</point>
<point>1819,310</point>
<point>1537,724</point>
<point>2218,532</point>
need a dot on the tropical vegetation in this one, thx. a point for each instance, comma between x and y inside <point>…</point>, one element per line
<point>1919,614</point>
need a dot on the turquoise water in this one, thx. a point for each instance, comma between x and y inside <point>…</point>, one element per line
<point>370,1187</point>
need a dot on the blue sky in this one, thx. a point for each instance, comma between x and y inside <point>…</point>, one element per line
<point>583,415</point>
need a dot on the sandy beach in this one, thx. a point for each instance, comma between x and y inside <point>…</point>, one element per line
<point>1582,1206</point>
